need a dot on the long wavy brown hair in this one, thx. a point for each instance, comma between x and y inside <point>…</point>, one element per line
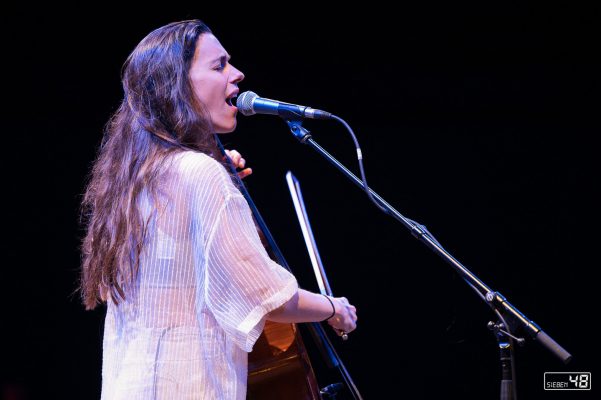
<point>159,115</point>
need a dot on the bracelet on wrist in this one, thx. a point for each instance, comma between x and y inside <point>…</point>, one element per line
<point>333,308</point>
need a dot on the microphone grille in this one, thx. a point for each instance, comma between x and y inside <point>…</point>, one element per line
<point>245,103</point>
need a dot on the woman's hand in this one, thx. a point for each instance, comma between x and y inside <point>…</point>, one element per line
<point>345,317</point>
<point>239,163</point>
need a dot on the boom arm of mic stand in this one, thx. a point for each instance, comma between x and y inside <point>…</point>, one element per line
<point>494,299</point>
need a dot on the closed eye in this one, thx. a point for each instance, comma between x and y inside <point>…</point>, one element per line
<point>222,64</point>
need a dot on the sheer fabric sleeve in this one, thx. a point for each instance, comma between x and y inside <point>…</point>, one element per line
<point>242,283</point>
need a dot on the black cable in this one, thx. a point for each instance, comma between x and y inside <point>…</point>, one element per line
<point>360,159</point>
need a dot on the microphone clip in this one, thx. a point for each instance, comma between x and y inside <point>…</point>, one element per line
<point>297,129</point>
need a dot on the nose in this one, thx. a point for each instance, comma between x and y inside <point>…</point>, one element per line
<point>237,75</point>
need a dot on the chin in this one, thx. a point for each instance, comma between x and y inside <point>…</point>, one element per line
<point>226,129</point>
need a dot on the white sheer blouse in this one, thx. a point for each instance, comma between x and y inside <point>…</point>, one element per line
<point>203,289</point>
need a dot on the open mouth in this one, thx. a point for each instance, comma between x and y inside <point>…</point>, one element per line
<point>230,100</point>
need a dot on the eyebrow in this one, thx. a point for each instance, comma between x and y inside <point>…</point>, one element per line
<point>221,57</point>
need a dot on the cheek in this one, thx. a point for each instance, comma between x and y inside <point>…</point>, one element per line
<point>209,94</point>
<point>210,91</point>
<point>201,90</point>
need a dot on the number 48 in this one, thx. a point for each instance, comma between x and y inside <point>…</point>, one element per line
<point>580,381</point>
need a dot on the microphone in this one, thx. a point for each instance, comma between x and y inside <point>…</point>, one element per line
<point>249,103</point>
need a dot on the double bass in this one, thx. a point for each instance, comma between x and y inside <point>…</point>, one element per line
<point>279,365</point>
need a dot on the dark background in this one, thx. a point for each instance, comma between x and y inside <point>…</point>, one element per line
<point>477,121</point>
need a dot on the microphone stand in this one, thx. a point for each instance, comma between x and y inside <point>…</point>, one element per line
<point>511,319</point>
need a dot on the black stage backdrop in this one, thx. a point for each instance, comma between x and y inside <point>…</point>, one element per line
<point>477,121</point>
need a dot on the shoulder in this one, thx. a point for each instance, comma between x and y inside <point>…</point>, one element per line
<point>201,171</point>
<point>194,161</point>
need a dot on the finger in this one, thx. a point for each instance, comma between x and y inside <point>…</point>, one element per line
<point>234,154</point>
<point>245,172</point>
<point>241,163</point>
<point>353,326</point>
<point>334,324</point>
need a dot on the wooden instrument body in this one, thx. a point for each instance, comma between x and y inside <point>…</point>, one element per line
<point>279,367</point>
